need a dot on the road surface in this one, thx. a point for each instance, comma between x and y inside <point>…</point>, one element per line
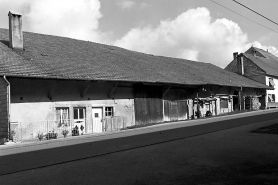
<point>233,156</point>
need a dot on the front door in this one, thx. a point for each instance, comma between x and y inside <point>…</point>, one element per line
<point>97,119</point>
<point>79,116</point>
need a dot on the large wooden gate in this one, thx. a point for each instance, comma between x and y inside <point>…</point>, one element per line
<point>175,110</point>
<point>148,105</point>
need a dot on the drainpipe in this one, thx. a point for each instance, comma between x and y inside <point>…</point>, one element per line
<point>242,65</point>
<point>8,104</point>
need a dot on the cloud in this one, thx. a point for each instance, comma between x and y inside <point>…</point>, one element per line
<point>144,5</point>
<point>126,4</point>
<point>68,18</point>
<point>191,35</point>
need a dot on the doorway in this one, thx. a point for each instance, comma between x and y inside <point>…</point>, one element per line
<point>79,118</point>
<point>97,114</point>
<point>235,101</point>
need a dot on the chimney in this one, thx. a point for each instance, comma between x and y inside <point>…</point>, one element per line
<point>15,30</point>
<point>235,55</point>
<point>240,64</point>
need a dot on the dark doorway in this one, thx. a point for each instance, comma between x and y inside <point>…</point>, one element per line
<point>235,101</point>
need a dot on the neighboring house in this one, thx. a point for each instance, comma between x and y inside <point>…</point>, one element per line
<point>51,83</point>
<point>261,66</point>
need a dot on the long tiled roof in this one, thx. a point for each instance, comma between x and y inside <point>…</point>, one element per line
<point>46,56</point>
<point>268,63</point>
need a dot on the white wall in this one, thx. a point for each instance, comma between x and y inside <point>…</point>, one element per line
<point>275,91</point>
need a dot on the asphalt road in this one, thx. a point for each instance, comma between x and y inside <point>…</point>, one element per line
<point>234,156</point>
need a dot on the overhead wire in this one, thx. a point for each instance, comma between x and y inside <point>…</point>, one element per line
<point>244,16</point>
<point>255,12</point>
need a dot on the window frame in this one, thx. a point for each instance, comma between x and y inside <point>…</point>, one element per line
<point>224,102</point>
<point>60,118</point>
<point>78,113</point>
<point>111,112</point>
<point>272,99</point>
<point>271,82</point>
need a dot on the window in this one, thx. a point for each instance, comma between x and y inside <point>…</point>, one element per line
<point>271,97</point>
<point>223,103</point>
<point>271,82</point>
<point>62,116</point>
<point>109,111</point>
<point>79,113</point>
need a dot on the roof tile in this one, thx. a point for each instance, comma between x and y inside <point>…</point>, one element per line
<point>49,56</point>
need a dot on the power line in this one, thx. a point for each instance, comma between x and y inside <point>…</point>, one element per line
<point>255,12</point>
<point>244,16</point>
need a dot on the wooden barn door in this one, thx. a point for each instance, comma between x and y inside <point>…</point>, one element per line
<point>175,110</point>
<point>148,105</point>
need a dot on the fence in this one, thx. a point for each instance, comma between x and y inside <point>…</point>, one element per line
<point>30,130</point>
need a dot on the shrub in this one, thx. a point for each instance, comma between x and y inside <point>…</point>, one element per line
<point>65,132</point>
<point>51,135</point>
<point>198,113</point>
<point>208,114</point>
<point>40,135</point>
<point>75,131</point>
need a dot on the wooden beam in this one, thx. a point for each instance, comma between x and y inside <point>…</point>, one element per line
<point>50,94</point>
<point>85,90</point>
<point>166,91</point>
<point>217,90</point>
<point>113,90</point>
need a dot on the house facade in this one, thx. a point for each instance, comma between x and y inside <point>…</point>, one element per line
<point>52,84</point>
<point>261,66</point>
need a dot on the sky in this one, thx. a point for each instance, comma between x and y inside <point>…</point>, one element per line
<point>198,30</point>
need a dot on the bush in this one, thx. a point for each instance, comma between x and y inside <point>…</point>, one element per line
<point>51,135</point>
<point>65,132</point>
<point>75,131</point>
<point>40,135</point>
<point>208,114</point>
<point>198,113</point>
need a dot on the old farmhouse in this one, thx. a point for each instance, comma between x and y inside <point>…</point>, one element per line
<point>261,66</point>
<point>51,83</point>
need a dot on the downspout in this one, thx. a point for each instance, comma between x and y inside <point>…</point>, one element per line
<point>8,104</point>
<point>242,65</point>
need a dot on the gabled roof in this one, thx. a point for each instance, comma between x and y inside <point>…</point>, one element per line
<point>264,60</point>
<point>46,56</point>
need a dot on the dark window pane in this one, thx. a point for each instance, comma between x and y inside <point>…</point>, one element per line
<point>271,82</point>
<point>75,114</point>
<point>108,111</point>
<point>96,115</point>
<point>81,113</point>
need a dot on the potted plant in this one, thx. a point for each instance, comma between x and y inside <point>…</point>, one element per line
<point>198,113</point>
<point>65,132</point>
<point>81,128</point>
<point>51,135</point>
<point>208,114</point>
<point>75,131</point>
<point>40,136</point>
